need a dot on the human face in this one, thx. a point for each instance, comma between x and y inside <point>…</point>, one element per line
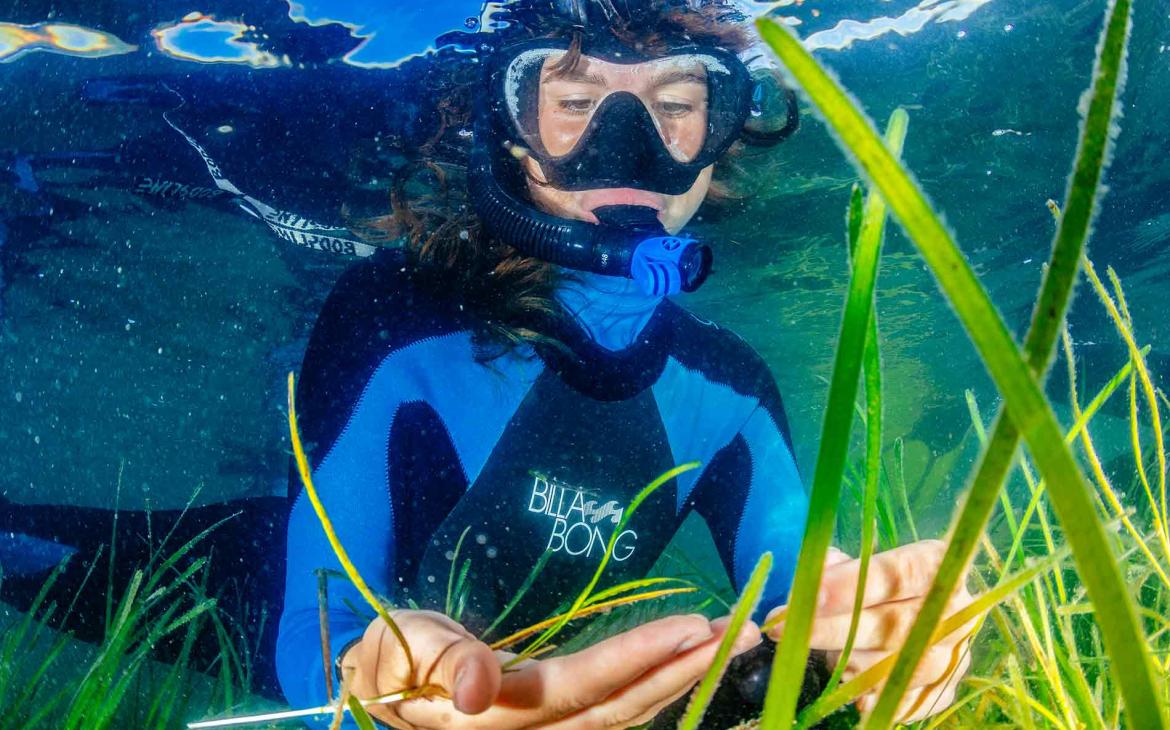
<point>674,92</point>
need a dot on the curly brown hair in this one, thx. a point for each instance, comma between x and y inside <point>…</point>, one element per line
<point>506,291</point>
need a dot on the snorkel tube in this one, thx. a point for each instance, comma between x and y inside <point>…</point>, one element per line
<point>638,248</point>
<point>660,263</point>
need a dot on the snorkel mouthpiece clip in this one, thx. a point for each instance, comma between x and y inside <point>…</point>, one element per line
<point>665,265</point>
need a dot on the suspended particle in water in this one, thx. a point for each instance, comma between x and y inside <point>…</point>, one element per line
<point>225,129</point>
<point>481,539</point>
<point>491,552</point>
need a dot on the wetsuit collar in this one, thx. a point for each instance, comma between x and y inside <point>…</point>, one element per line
<point>611,310</point>
<point>615,337</point>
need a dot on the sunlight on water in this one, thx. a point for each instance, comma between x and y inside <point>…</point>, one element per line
<point>63,38</point>
<point>199,37</point>
<point>847,31</point>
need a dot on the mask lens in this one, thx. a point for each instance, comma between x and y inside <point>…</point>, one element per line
<point>553,103</point>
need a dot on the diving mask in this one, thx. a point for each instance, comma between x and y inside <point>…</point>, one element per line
<point>618,119</point>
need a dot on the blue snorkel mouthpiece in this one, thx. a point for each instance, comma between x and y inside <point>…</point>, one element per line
<point>669,264</point>
<point>660,263</point>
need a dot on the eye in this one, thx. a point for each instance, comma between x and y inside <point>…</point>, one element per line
<point>673,109</point>
<point>575,105</point>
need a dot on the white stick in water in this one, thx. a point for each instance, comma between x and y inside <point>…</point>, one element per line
<point>289,714</point>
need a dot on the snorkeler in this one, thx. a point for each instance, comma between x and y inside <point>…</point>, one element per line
<point>515,376</point>
<point>512,380</point>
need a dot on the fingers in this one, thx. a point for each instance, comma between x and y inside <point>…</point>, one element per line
<point>917,704</point>
<point>935,697</point>
<point>881,627</point>
<point>444,654</point>
<point>665,685</point>
<point>836,556</point>
<point>548,690</point>
<point>641,700</point>
<point>363,665</point>
<point>932,687</point>
<point>900,574</point>
<point>894,575</point>
<point>939,663</point>
<point>591,675</point>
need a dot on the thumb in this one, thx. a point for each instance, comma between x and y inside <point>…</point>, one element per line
<point>470,672</point>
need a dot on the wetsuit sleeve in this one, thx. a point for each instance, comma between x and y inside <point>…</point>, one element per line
<point>352,486</point>
<point>348,435</point>
<point>753,500</point>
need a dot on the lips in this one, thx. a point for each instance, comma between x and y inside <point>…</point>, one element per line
<point>594,199</point>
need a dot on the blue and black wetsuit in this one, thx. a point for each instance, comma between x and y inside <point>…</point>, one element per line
<point>417,437</point>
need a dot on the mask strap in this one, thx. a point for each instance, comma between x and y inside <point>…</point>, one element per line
<point>757,138</point>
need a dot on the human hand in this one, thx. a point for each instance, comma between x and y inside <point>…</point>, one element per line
<point>895,587</point>
<point>621,682</point>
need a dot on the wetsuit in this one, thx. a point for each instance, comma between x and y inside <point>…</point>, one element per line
<point>414,442</point>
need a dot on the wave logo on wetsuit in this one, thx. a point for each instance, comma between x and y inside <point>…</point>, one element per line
<point>577,521</point>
